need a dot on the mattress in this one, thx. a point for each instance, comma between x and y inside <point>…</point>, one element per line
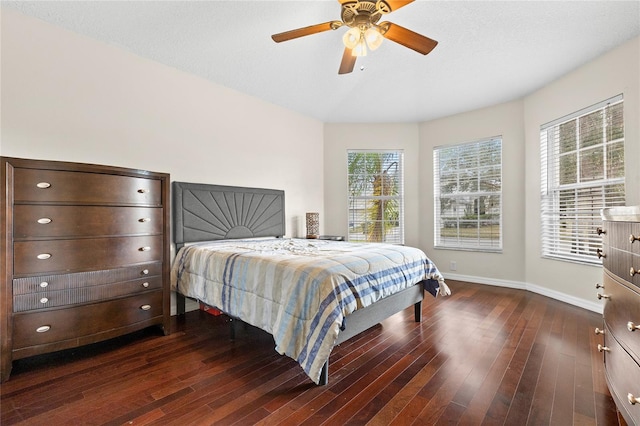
<point>301,291</point>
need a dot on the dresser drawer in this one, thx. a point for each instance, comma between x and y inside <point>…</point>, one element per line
<point>39,328</point>
<point>47,221</point>
<point>38,257</point>
<point>51,299</point>
<point>54,186</point>
<point>622,306</point>
<point>623,376</point>
<point>616,235</point>
<point>623,264</point>
<point>45,283</point>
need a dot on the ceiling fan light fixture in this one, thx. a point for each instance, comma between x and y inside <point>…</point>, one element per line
<point>361,48</point>
<point>358,40</point>
<point>373,38</point>
<point>351,38</point>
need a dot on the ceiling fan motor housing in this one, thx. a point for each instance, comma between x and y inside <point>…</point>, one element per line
<point>363,14</point>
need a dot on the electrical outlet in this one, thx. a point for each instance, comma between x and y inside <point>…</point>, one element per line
<point>453,266</point>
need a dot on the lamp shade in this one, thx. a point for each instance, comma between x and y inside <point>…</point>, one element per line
<point>313,225</point>
<point>358,40</point>
<point>373,38</point>
<point>351,38</point>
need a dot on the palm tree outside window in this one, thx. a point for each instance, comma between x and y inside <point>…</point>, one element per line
<point>375,196</point>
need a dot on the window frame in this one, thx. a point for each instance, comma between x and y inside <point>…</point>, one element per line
<point>355,215</point>
<point>459,241</point>
<point>569,234</point>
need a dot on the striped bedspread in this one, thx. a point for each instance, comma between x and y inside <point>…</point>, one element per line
<point>298,290</point>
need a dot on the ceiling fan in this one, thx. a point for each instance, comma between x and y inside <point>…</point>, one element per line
<point>362,18</point>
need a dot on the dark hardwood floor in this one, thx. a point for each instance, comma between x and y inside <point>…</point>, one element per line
<point>485,355</point>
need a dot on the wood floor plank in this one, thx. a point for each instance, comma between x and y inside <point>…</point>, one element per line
<point>562,412</point>
<point>478,407</point>
<point>407,386</point>
<point>485,355</point>
<point>542,400</point>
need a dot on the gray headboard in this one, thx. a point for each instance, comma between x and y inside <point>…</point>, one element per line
<point>213,212</point>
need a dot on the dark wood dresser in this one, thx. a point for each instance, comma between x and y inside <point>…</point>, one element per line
<point>620,291</point>
<point>85,255</point>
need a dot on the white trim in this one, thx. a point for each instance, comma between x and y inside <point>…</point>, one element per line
<point>583,111</point>
<point>553,294</point>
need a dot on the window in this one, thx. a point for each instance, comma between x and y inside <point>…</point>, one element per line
<point>582,159</point>
<point>376,196</point>
<point>468,195</point>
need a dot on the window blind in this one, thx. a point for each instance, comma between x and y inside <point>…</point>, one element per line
<point>582,171</point>
<point>376,196</point>
<point>468,195</point>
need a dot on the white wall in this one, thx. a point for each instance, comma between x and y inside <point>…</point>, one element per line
<point>609,75</point>
<point>70,98</point>
<point>341,137</point>
<point>504,120</point>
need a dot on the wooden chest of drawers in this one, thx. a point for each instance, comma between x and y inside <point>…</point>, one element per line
<point>620,291</point>
<point>85,255</point>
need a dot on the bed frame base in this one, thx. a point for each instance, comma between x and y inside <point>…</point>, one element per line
<point>358,321</point>
<point>365,318</point>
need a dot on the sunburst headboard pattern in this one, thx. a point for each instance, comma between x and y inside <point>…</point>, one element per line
<point>204,212</point>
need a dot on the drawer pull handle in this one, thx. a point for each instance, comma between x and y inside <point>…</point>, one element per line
<point>43,328</point>
<point>43,256</point>
<point>600,254</point>
<point>145,272</point>
<point>598,285</point>
<point>145,284</point>
<point>632,327</point>
<point>44,300</point>
<point>633,271</point>
<point>145,248</point>
<point>145,307</point>
<point>598,331</point>
<point>633,238</point>
<point>44,220</point>
<point>43,185</point>
<point>144,219</point>
<point>633,400</point>
<point>143,191</point>
<point>600,231</point>
<point>44,284</point>
<point>603,296</point>
<point>603,348</point>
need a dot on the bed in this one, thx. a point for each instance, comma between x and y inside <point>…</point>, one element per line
<point>310,295</point>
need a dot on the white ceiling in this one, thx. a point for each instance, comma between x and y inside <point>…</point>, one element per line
<point>489,51</point>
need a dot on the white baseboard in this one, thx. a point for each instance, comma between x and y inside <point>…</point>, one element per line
<point>563,297</point>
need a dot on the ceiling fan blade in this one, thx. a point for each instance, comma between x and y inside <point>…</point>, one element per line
<point>348,62</point>
<point>301,32</point>
<point>408,38</point>
<point>397,4</point>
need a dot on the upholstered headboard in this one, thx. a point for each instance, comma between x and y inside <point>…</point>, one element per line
<point>213,212</point>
